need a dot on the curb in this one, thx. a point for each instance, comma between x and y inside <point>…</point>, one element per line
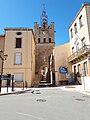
<point>16,92</point>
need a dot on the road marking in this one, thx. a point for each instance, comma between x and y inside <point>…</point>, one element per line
<point>28,115</point>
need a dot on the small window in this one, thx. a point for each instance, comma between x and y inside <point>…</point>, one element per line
<point>71,32</point>
<point>38,40</point>
<point>80,21</point>
<point>72,50</point>
<point>18,42</point>
<point>18,33</point>
<point>49,40</point>
<point>44,40</point>
<point>77,46</point>
<point>75,28</point>
<point>18,58</point>
<point>83,41</point>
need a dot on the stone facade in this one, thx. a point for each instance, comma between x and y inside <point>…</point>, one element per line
<point>44,36</point>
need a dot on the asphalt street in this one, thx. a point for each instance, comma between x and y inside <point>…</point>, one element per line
<point>45,104</point>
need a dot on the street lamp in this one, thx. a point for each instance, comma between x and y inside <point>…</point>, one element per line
<point>3,58</point>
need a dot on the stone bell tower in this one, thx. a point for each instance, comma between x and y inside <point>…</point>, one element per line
<point>44,36</point>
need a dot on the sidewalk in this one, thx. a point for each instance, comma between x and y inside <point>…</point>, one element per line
<point>78,88</point>
<point>16,90</point>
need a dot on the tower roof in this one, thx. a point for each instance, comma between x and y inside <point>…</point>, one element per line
<point>44,18</point>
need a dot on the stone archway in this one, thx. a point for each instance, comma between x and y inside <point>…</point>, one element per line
<point>43,73</point>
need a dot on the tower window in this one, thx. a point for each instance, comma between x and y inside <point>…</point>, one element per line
<point>18,42</point>
<point>49,40</point>
<point>44,25</point>
<point>38,40</point>
<point>44,40</point>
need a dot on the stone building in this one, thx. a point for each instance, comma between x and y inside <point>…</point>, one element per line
<point>44,36</point>
<point>79,31</point>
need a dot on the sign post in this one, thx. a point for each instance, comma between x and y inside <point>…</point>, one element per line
<point>8,77</point>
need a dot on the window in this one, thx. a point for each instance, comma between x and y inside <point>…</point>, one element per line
<point>18,33</point>
<point>75,28</point>
<point>49,40</point>
<point>80,21</point>
<point>74,69</point>
<point>72,50</point>
<point>83,41</point>
<point>44,25</point>
<point>85,69</point>
<point>38,40</point>
<point>18,58</point>
<point>44,40</point>
<point>18,77</point>
<point>18,42</point>
<point>77,46</point>
<point>71,32</point>
<point>79,69</point>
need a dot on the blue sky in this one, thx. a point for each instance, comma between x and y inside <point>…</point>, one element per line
<point>23,13</point>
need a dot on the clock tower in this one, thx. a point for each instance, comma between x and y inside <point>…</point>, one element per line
<point>44,37</point>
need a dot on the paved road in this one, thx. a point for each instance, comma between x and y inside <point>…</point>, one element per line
<point>49,104</point>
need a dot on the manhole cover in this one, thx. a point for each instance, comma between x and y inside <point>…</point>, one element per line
<point>41,100</point>
<point>79,99</point>
<point>86,96</point>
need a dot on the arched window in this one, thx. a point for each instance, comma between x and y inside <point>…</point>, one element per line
<point>44,25</point>
<point>49,40</point>
<point>44,40</point>
<point>38,40</point>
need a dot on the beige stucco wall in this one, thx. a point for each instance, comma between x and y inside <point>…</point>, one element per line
<point>28,55</point>
<point>61,54</point>
<point>33,60</point>
<point>2,38</point>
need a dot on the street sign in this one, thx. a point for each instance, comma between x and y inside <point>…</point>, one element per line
<point>63,69</point>
<point>5,77</point>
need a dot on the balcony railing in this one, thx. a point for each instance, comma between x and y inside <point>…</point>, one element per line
<point>85,50</point>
